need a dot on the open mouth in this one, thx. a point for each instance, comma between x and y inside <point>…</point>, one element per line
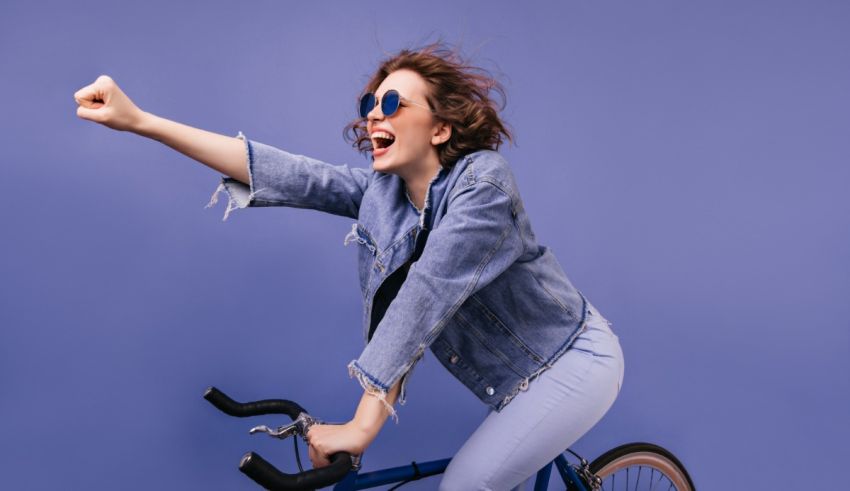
<point>382,139</point>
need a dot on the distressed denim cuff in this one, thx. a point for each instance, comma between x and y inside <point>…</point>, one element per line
<point>372,386</point>
<point>239,195</point>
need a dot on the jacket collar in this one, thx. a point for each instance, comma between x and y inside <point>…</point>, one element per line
<point>433,194</point>
<point>395,214</point>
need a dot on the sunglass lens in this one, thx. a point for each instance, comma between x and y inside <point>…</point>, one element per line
<point>367,102</point>
<point>389,104</point>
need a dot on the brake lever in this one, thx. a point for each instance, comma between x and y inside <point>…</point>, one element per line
<point>281,432</point>
<point>300,426</point>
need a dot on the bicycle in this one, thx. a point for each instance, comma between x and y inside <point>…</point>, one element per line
<point>665,471</point>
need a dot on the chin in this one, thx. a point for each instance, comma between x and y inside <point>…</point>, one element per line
<point>385,165</point>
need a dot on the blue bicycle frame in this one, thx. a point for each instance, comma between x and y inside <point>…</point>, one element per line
<point>418,470</point>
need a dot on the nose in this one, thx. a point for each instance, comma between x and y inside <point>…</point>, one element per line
<point>375,114</point>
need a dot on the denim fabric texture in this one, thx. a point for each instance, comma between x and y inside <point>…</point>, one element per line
<point>509,447</point>
<point>493,306</point>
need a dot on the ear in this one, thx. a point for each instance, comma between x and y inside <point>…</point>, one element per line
<point>442,133</point>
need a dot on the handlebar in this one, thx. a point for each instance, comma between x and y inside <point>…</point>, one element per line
<point>244,409</point>
<point>266,474</point>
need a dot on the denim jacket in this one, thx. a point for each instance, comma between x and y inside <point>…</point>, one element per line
<point>493,306</point>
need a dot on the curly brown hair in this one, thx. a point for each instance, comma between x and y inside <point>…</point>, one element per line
<point>459,94</point>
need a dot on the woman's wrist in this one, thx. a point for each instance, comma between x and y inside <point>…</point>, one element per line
<point>372,412</point>
<point>366,433</point>
<point>145,125</point>
<point>370,415</point>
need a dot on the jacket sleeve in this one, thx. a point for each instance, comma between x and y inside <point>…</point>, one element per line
<point>474,243</point>
<point>280,178</point>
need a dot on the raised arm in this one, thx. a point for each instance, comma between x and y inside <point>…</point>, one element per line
<point>105,103</point>
<point>226,154</point>
<point>255,174</point>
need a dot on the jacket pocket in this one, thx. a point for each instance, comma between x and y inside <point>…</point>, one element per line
<point>486,332</point>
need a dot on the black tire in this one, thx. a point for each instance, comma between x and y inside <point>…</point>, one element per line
<point>644,464</point>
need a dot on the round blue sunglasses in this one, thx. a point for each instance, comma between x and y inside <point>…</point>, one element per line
<point>389,103</point>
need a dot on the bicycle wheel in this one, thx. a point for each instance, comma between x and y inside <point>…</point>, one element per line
<point>641,466</point>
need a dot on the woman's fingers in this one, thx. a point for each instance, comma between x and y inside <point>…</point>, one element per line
<point>104,102</point>
<point>86,104</point>
<point>93,95</point>
<point>92,98</point>
<point>86,97</point>
<point>316,458</point>
<point>89,113</point>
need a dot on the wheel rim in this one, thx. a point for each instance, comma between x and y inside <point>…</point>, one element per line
<point>642,471</point>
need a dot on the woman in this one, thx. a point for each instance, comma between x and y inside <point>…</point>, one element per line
<point>447,261</point>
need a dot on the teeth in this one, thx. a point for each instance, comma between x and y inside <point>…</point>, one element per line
<point>383,134</point>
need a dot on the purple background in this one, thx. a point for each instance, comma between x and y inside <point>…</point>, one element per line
<point>688,165</point>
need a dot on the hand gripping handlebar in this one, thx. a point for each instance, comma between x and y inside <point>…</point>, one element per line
<point>260,470</point>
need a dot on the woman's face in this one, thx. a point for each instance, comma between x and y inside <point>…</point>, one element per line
<point>417,132</point>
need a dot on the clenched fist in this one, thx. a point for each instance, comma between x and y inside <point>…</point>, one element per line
<point>103,102</point>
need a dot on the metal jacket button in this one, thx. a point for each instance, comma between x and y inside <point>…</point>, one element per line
<point>490,391</point>
<point>453,359</point>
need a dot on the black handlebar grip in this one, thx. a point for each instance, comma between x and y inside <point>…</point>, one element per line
<point>244,409</point>
<point>269,477</point>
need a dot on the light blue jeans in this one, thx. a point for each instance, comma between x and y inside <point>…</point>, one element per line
<point>560,406</point>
